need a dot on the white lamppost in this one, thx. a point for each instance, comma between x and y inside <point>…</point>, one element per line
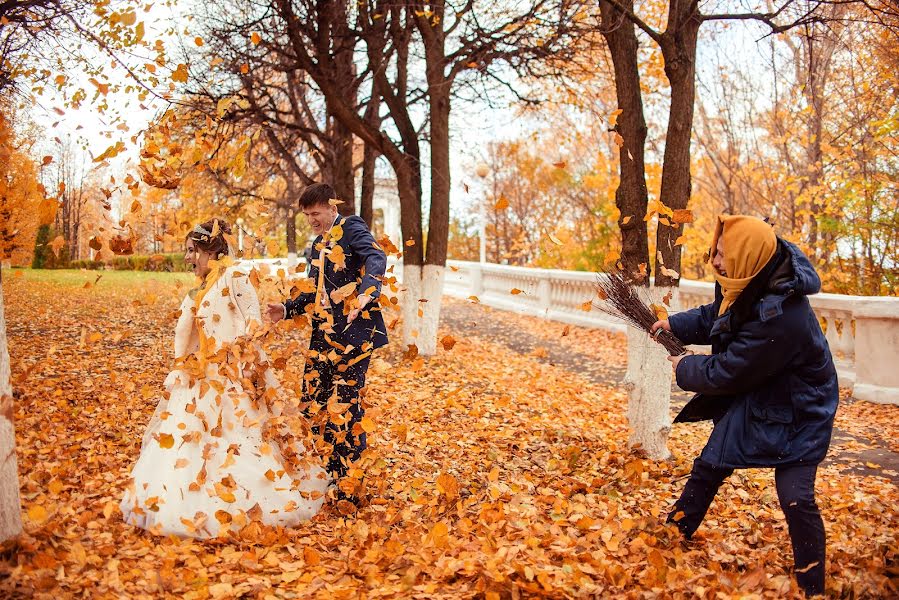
<point>240,235</point>
<point>482,170</point>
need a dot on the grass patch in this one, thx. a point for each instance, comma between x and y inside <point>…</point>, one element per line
<point>76,278</point>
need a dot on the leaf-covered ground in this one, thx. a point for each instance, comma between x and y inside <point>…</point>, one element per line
<point>498,473</point>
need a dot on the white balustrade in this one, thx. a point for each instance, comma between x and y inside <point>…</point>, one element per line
<point>863,332</point>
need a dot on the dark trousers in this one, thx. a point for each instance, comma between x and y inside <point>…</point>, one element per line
<point>796,492</point>
<point>338,378</point>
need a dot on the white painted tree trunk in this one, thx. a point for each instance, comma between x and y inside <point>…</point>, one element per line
<point>411,304</point>
<point>421,304</point>
<point>648,382</point>
<point>10,506</point>
<point>432,291</point>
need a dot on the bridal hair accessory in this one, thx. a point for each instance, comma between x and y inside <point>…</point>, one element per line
<point>199,229</point>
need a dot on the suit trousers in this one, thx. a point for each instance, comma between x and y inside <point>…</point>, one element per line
<point>796,493</point>
<point>338,381</point>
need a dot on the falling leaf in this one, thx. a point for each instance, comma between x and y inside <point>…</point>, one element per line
<point>448,342</point>
<point>669,273</point>
<point>660,311</point>
<point>180,74</point>
<point>626,220</point>
<point>255,38</point>
<point>553,239</point>
<point>501,204</point>
<point>613,118</point>
<point>682,215</point>
<point>515,291</point>
<point>666,299</point>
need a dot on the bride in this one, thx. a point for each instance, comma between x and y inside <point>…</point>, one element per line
<point>209,463</point>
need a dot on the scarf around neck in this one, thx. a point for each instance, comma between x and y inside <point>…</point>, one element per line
<point>749,243</point>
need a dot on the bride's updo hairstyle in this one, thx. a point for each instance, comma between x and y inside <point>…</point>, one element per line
<point>203,237</point>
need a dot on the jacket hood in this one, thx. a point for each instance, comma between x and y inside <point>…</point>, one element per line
<point>795,273</point>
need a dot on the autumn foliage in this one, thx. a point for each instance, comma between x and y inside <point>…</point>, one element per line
<point>539,497</point>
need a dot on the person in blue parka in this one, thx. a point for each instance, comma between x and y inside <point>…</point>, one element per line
<point>770,385</point>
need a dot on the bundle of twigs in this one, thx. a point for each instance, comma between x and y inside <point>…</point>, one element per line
<point>619,298</point>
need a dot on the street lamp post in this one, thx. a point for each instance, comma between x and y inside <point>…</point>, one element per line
<point>482,170</point>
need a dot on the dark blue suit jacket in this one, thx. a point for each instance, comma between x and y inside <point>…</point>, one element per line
<point>366,264</point>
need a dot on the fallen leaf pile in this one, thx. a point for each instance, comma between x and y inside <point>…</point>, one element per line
<point>491,474</point>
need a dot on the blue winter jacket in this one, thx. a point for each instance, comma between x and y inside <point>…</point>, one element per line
<point>770,374</point>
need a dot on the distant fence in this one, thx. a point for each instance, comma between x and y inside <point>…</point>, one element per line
<point>863,331</point>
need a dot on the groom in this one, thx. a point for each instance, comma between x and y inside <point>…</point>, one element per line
<point>347,267</point>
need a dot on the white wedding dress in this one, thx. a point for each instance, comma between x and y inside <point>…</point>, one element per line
<point>206,466</point>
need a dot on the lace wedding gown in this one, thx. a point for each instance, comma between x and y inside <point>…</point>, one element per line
<point>205,466</point>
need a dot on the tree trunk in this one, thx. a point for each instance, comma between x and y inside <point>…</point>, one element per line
<point>648,375</point>
<point>290,226</point>
<point>439,85</point>
<point>367,197</point>
<point>631,197</point>
<point>679,50</point>
<point>369,162</point>
<point>342,173</point>
<point>10,505</point>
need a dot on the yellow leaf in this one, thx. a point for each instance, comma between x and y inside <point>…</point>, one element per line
<point>255,38</point>
<point>198,41</point>
<point>613,118</point>
<point>335,234</point>
<point>180,73</point>
<point>515,291</point>
<point>368,425</point>
<point>660,311</point>
<point>680,240</point>
<point>139,31</point>
<point>554,239</point>
<point>587,306</point>
<point>501,204</point>
<point>223,516</point>
<point>626,220</point>
<point>311,556</point>
<point>341,293</point>
<point>448,485</point>
<point>37,513</point>
<point>111,152</point>
<point>165,440</point>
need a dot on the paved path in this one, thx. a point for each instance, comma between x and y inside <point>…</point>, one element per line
<point>601,357</point>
